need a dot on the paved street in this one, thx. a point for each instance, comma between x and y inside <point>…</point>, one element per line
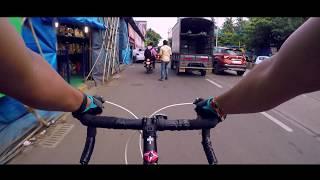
<point>288,134</point>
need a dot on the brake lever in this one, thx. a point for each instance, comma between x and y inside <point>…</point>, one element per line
<point>197,100</point>
<point>157,116</point>
<point>207,147</point>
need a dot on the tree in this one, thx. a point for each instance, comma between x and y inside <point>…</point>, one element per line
<point>258,33</point>
<point>240,28</point>
<point>232,33</point>
<point>283,27</point>
<point>228,25</point>
<point>152,36</point>
<point>266,32</point>
<point>226,35</point>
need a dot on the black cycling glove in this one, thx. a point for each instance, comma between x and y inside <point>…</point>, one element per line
<point>94,108</point>
<point>208,109</point>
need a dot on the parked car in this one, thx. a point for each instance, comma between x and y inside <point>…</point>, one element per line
<point>229,59</point>
<point>261,59</point>
<point>138,55</point>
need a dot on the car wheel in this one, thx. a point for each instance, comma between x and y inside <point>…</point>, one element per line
<point>240,73</point>
<point>216,69</point>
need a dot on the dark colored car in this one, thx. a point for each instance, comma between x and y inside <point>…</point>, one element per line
<point>229,59</point>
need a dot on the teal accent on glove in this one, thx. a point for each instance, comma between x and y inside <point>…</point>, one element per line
<point>208,105</point>
<point>92,105</point>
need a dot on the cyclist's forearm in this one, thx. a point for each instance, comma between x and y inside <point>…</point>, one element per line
<point>55,93</point>
<point>254,93</point>
<point>25,76</point>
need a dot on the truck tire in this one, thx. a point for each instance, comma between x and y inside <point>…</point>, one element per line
<point>203,72</point>
<point>177,69</point>
<point>172,65</point>
<point>240,73</point>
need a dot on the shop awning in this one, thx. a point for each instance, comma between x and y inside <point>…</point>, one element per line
<point>93,22</point>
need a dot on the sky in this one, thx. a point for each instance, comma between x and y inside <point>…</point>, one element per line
<point>162,24</point>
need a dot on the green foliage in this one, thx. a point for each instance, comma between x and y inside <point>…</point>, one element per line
<point>152,36</point>
<point>258,32</point>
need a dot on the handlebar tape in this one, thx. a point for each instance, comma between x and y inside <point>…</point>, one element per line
<point>207,147</point>
<point>89,145</point>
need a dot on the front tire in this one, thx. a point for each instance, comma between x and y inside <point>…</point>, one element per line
<point>216,69</point>
<point>240,73</point>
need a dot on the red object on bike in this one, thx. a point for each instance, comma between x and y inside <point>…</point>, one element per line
<point>151,156</point>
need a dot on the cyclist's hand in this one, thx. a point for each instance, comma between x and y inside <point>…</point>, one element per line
<point>94,107</point>
<point>205,110</point>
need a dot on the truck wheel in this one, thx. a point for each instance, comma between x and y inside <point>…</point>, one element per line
<point>172,65</point>
<point>177,70</point>
<point>240,73</point>
<point>203,72</point>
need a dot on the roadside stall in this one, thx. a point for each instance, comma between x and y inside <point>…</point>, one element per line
<point>73,58</point>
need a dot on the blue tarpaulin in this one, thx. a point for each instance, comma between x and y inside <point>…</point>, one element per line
<point>13,132</point>
<point>11,110</point>
<point>93,22</point>
<point>46,37</point>
<point>97,41</point>
<point>124,48</point>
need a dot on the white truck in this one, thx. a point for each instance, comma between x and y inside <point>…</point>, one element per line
<point>192,45</point>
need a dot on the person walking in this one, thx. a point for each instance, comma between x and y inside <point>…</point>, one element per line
<point>165,57</point>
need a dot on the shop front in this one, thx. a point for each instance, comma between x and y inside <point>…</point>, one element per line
<point>73,52</point>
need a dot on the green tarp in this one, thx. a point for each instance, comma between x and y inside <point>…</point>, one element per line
<point>16,22</point>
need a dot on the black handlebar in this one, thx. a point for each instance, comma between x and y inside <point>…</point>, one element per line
<point>110,122</point>
<point>207,147</point>
<point>162,124</point>
<point>89,145</point>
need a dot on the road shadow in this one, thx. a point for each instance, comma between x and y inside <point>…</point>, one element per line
<point>186,74</point>
<point>227,73</point>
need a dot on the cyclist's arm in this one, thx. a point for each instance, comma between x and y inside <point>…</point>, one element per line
<point>27,77</point>
<point>293,71</point>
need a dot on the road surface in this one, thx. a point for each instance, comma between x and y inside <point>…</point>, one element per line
<point>288,134</point>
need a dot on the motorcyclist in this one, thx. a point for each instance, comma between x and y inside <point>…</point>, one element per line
<point>150,53</point>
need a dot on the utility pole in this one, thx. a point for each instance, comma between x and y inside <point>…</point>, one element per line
<point>216,34</point>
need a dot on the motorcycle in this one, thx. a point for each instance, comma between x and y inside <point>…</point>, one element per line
<point>148,66</point>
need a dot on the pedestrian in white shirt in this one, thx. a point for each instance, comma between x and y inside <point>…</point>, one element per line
<point>165,57</point>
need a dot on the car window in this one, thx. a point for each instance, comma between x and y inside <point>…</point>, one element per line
<point>218,50</point>
<point>232,52</point>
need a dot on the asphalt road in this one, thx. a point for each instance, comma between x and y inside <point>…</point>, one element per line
<point>288,134</point>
